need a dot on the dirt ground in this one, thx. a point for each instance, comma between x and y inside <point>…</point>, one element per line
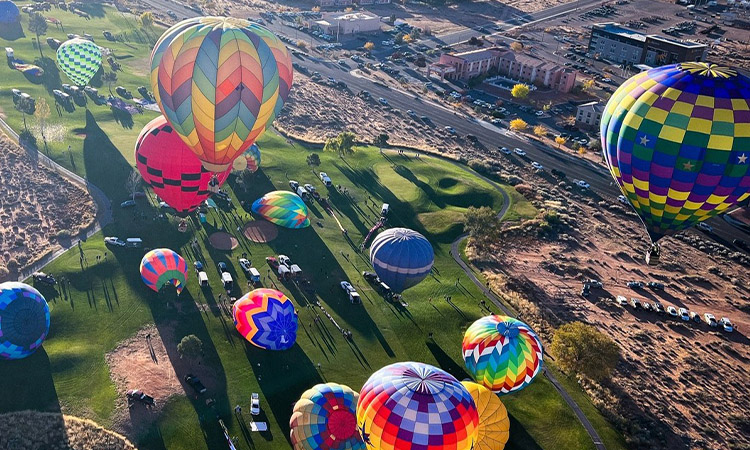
<point>38,209</point>
<point>679,384</point>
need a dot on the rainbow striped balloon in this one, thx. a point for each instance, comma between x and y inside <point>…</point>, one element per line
<point>324,418</point>
<point>220,81</point>
<point>502,353</point>
<point>677,142</point>
<point>163,266</point>
<point>283,208</point>
<point>415,406</point>
<point>249,160</point>
<point>266,318</point>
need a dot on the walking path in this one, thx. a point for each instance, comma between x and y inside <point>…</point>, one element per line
<point>103,205</point>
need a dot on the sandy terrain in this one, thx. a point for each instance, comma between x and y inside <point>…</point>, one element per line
<point>679,384</point>
<point>38,209</point>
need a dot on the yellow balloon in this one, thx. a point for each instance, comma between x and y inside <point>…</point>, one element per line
<point>494,424</point>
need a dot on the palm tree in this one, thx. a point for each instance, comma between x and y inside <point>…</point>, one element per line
<point>38,26</point>
<point>109,78</point>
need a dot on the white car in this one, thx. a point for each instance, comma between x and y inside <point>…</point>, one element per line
<point>505,150</point>
<point>245,264</point>
<point>254,404</point>
<point>684,314</point>
<point>672,311</point>
<point>622,199</point>
<point>283,259</point>
<point>703,226</point>
<point>450,130</point>
<point>728,327</point>
<point>622,300</point>
<point>117,242</point>
<point>537,166</point>
<point>519,152</point>
<point>582,184</point>
<point>539,113</point>
<point>345,285</point>
<point>710,320</point>
<point>325,179</point>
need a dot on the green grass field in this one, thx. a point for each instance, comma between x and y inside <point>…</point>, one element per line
<point>107,302</point>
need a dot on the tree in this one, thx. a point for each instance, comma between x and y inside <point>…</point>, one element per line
<point>518,124</point>
<point>25,105</point>
<point>480,223</point>
<point>313,160</point>
<point>560,141</point>
<point>133,183</point>
<point>190,347</point>
<point>407,38</point>
<point>381,141</point>
<point>520,90</point>
<point>415,34</point>
<point>343,144</point>
<point>547,106</point>
<point>399,38</point>
<point>392,18</point>
<point>110,78</point>
<point>595,145</point>
<point>583,349</point>
<point>516,46</point>
<point>587,85</point>
<point>369,46</point>
<point>540,131</point>
<point>302,44</point>
<point>38,26</point>
<point>146,19</point>
<point>42,114</point>
<point>332,145</point>
<point>316,8</point>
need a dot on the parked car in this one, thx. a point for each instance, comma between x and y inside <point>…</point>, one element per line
<point>537,166</point>
<point>114,241</point>
<point>245,265</point>
<point>647,306</point>
<point>622,199</point>
<point>201,272</point>
<point>222,266</point>
<point>684,314</point>
<point>127,204</point>
<point>658,307</point>
<point>41,277</point>
<point>254,404</point>
<point>635,284</point>
<point>582,184</point>
<point>383,101</point>
<point>672,311</point>
<point>450,130</point>
<point>371,277</point>
<point>519,152</point>
<point>703,226</point>
<point>505,150</point>
<point>622,300</point>
<point>293,185</point>
<point>138,396</point>
<point>325,179</point>
<point>124,93</point>
<point>710,320</point>
<point>636,303</point>
<point>726,324</point>
<point>695,317</point>
<point>656,285</point>
<point>195,383</point>
<point>273,262</point>
<point>593,283</point>
<point>283,259</point>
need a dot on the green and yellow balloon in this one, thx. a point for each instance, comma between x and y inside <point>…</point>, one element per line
<point>79,59</point>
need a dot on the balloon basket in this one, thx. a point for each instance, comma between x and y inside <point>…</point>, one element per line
<point>652,255</point>
<point>182,226</point>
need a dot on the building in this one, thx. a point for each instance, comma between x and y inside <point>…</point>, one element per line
<point>334,3</point>
<point>615,43</point>
<point>340,23</point>
<point>518,66</point>
<point>373,2</point>
<point>588,115</point>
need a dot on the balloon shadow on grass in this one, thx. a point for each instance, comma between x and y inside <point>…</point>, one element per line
<point>105,165</point>
<point>30,384</point>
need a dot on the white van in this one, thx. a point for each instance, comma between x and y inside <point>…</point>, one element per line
<point>226,280</point>
<point>203,278</point>
<point>254,275</point>
<point>133,243</point>
<point>384,209</point>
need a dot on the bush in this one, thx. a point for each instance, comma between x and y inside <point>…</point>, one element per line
<point>480,166</point>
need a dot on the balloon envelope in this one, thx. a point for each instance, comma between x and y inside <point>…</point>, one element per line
<point>494,424</point>
<point>267,319</point>
<point>677,142</point>
<point>174,172</point>
<point>283,208</point>
<point>502,353</point>
<point>401,257</point>
<point>249,160</point>
<point>220,81</point>
<point>79,59</point>
<point>24,320</point>
<point>163,266</point>
<point>324,418</point>
<point>415,406</point>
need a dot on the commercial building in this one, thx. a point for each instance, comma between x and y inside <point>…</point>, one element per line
<point>340,23</point>
<point>332,3</point>
<point>615,43</point>
<point>588,115</point>
<point>518,66</point>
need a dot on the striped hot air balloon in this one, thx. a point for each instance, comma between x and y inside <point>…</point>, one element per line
<point>502,353</point>
<point>220,81</point>
<point>171,169</point>
<point>283,208</point>
<point>24,320</point>
<point>415,406</point>
<point>79,59</point>
<point>324,418</point>
<point>267,319</point>
<point>249,160</point>
<point>494,423</point>
<point>163,266</point>
<point>401,257</point>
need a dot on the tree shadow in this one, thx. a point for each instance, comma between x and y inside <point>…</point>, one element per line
<point>51,78</point>
<point>32,384</point>
<point>93,9</point>
<point>124,118</point>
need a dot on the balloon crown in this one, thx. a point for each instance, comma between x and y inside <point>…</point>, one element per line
<point>708,69</point>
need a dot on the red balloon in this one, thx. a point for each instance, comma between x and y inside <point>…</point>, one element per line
<point>171,169</point>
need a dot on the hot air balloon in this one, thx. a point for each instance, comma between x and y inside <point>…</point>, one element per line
<point>401,257</point>
<point>324,418</point>
<point>9,13</point>
<point>415,406</point>
<point>163,266</point>
<point>249,160</point>
<point>283,208</point>
<point>171,169</point>
<point>220,81</point>
<point>267,319</point>
<point>502,353</point>
<point>494,424</point>
<point>677,142</point>
<point>24,320</point>
<point>80,59</point>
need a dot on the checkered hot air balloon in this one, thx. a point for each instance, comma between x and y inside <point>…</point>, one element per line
<point>174,172</point>
<point>283,208</point>
<point>24,320</point>
<point>324,418</point>
<point>249,160</point>
<point>163,266</point>
<point>494,423</point>
<point>79,59</point>
<point>415,406</point>
<point>401,257</point>
<point>267,319</point>
<point>502,353</point>
<point>220,81</point>
<point>677,142</point>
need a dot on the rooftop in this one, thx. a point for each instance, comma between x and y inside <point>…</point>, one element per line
<point>351,16</point>
<point>594,106</point>
<point>616,29</point>
<point>686,44</point>
<point>476,55</point>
